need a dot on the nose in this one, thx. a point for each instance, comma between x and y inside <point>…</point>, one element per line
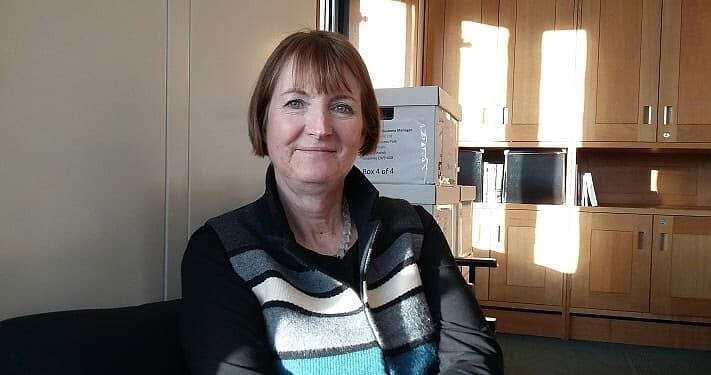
<point>318,123</point>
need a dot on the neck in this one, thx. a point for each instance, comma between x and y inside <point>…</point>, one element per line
<point>314,213</point>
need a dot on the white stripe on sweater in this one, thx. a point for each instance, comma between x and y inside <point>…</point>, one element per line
<point>402,282</point>
<point>275,289</point>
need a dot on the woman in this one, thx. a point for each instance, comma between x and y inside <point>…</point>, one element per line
<point>320,275</point>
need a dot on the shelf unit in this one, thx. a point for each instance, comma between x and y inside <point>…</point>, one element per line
<point>630,107</point>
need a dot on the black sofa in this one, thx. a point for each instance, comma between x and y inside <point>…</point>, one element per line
<point>128,340</point>
<point>133,340</point>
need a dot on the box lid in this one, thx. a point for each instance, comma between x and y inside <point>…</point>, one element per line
<point>421,194</point>
<point>467,193</point>
<point>416,96</point>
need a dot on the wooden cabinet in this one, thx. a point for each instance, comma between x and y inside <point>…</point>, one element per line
<point>684,94</point>
<point>623,85</point>
<point>522,275</point>
<point>536,51</point>
<point>646,61</point>
<point>681,266</point>
<point>582,70</point>
<point>614,262</point>
<point>508,62</point>
<point>621,43</point>
<point>469,61</point>
<point>659,264</point>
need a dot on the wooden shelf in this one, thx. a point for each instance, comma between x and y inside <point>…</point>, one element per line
<point>643,210</point>
<point>644,145</point>
<point>627,209</point>
<point>517,206</point>
<point>517,144</point>
<point>650,146</point>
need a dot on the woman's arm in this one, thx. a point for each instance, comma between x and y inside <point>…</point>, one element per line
<point>221,325</point>
<point>466,346</point>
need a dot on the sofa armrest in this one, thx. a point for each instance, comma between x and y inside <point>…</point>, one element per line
<point>129,340</point>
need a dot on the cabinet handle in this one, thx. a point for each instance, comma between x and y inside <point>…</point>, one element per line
<point>483,116</point>
<point>505,115</point>
<point>663,242</point>
<point>498,234</point>
<point>640,240</point>
<point>647,115</point>
<point>668,112</point>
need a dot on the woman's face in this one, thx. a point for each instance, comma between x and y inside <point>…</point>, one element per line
<point>313,137</point>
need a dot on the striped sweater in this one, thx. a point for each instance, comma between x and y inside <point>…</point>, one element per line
<point>317,324</point>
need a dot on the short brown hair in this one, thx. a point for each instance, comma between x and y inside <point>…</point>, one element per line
<point>318,58</point>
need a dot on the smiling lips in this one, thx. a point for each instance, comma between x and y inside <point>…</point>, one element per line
<point>316,149</point>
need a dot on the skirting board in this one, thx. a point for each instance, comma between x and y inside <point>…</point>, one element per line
<point>639,332</point>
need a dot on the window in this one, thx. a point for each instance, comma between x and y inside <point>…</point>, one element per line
<point>387,33</point>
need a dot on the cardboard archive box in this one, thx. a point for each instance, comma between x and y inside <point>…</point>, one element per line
<point>418,143</point>
<point>467,197</point>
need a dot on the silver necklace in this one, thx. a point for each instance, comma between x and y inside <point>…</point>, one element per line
<point>343,246</point>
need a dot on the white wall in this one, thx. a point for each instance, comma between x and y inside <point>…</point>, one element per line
<point>122,129</point>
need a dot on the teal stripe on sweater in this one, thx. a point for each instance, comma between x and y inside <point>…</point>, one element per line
<point>363,362</point>
<point>419,360</point>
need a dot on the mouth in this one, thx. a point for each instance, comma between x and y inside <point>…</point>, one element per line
<point>316,149</point>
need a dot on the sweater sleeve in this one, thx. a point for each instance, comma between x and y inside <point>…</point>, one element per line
<point>466,346</point>
<point>221,325</point>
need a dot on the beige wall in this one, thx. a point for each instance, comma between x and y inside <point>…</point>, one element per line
<point>121,131</point>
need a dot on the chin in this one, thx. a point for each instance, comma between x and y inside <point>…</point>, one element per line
<point>319,173</point>
<point>317,176</point>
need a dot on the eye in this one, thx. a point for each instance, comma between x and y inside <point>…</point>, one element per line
<point>295,104</point>
<point>343,108</point>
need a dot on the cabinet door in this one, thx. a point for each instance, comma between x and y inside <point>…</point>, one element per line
<point>684,94</point>
<point>522,275</point>
<point>481,234</point>
<point>681,266</point>
<point>621,65</point>
<point>470,36</point>
<point>613,263</point>
<point>536,48</point>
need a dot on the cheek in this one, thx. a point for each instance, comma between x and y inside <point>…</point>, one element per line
<point>274,137</point>
<point>278,131</point>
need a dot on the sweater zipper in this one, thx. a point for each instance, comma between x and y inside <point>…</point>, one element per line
<point>364,284</point>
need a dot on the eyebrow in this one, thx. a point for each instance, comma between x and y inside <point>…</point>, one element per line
<point>294,91</point>
<point>343,96</point>
<point>302,92</point>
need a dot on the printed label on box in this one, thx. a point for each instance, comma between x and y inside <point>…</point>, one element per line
<point>402,156</point>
